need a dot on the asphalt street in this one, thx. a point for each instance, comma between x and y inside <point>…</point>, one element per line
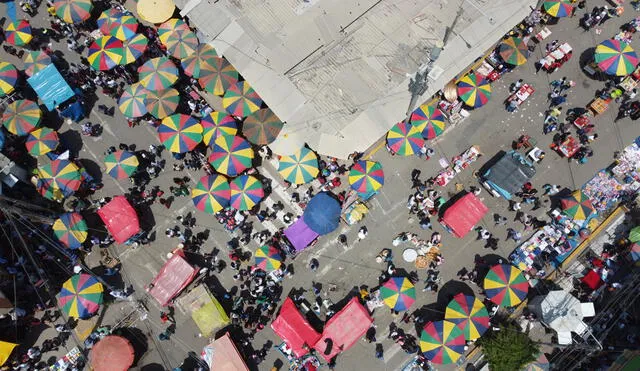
<point>490,127</point>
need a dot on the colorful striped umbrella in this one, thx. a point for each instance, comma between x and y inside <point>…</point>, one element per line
<point>366,176</point>
<point>505,285</point>
<point>578,206</point>
<point>429,120</point>
<point>181,43</point>
<point>442,342</point>
<point>8,78</point>
<point>246,192</point>
<point>241,100</point>
<point>203,59</point>
<point>216,124</point>
<point>21,117</point>
<point>220,78</point>
<point>158,73</point>
<point>262,127</point>
<point>540,364</point>
<point>616,57</point>
<point>71,230</point>
<point>173,24</point>
<point>398,293</point>
<point>132,101</point>
<point>299,168</point>
<point>211,194</point>
<point>162,103</point>
<point>105,53</point>
<point>231,155</point>
<point>73,11</point>
<point>404,139</point>
<point>469,314</point>
<point>106,19</point>
<point>121,164</point>
<point>180,133</point>
<point>35,62</point>
<point>18,32</point>
<point>58,179</point>
<point>268,258</point>
<point>124,27</point>
<point>558,8</point>
<point>81,296</point>
<point>474,90</point>
<point>514,51</point>
<point>42,141</point>
<point>133,48</point>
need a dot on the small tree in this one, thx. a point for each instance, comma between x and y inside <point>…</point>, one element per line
<point>508,349</point>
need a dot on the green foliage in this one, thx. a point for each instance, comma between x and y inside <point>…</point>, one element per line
<point>508,349</point>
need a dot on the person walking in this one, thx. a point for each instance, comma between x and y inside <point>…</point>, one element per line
<point>362,233</point>
<point>379,352</point>
<point>514,235</point>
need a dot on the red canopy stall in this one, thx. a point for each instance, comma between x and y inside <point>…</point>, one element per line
<point>463,215</point>
<point>173,277</point>
<point>120,218</point>
<point>294,329</point>
<point>222,354</point>
<point>344,329</point>
<point>112,353</point>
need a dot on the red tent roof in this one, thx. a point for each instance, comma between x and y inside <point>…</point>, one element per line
<point>294,329</point>
<point>464,214</point>
<point>173,277</point>
<point>112,353</point>
<point>222,354</point>
<point>344,329</point>
<point>120,218</point>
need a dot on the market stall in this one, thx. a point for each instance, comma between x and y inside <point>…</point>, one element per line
<point>527,256</point>
<point>112,353</point>
<point>458,163</point>
<point>297,237</point>
<point>461,217</point>
<point>294,329</point>
<point>568,147</point>
<point>453,111</point>
<point>519,96</point>
<point>174,276</point>
<point>205,310</point>
<point>120,218</point>
<point>557,57</point>
<point>603,190</point>
<point>354,208</point>
<point>222,354</point>
<point>599,105</point>
<point>627,165</point>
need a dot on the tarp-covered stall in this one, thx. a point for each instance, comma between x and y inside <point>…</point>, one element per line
<point>173,277</point>
<point>120,218</point>
<point>508,175</point>
<point>51,87</point>
<point>300,235</point>
<point>463,215</point>
<point>205,310</point>
<point>222,354</point>
<point>343,330</point>
<point>294,329</point>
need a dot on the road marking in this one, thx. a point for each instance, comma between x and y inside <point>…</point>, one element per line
<point>391,352</point>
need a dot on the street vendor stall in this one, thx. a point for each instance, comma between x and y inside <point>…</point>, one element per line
<point>298,236</point>
<point>294,329</point>
<point>557,57</point>
<point>458,163</point>
<point>120,218</point>
<point>603,190</point>
<point>599,105</point>
<point>568,147</point>
<point>520,95</point>
<point>205,310</point>
<point>627,165</point>
<point>354,208</point>
<point>174,276</point>
<point>463,215</point>
<point>527,254</point>
<point>112,353</point>
<point>222,354</point>
<point>51,87</point>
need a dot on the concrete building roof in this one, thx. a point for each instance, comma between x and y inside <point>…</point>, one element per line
<point>336,70</point>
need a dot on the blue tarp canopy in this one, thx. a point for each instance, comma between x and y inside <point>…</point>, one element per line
<point>322,214</point>
<point>75,111</point>
<point>51,87</point>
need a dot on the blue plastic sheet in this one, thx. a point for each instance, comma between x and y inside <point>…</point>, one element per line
<point>75,111</point>
<point>322,213</point>
<point>51,87</point>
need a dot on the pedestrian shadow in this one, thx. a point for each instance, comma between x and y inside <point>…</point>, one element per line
<point>138,341</point>
<point>71,140</point>
<point>146,217</point>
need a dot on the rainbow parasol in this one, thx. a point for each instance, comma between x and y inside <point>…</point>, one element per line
<point>18,32</point>
<point>514,51</point>
<point>429,120</point>
<point>220,78</point>
<point>616,57</point>
<point>81,296</point>
<point>216,124</point>
<point>166,28</point>
<point>73,11</point>
<point>442,342</point>
<point>558,8</point>
<point>241,100</point>
<point>42,141</point>
<point>262,127</point>
<point>231,155</point>
<point>246,192</point>
<point>180,133</point>
<point>366,177</point>
<point>469,314</point>
<point>577,206</point>
<point>35,62</point>
<point>71,230</point>
<point>21,117</point>
<point>398,293</point>
<point>121,164</point>
<point>211,194</point>
<point>268,258</point>
<point>299,168</point>
<point>105,53</point>
<point>106,19</point>
<point>8,78</point>
<point>58,179</point>
<point>133,48</point>
<point>181,43</point>
<point>162,103</point>
<point>158,73</point>
<point>203,59</point>
<point>132,101</point>
<point>505,285</point>
<point>124,27</point>
<point>404,139</point>
<point>474,90</point>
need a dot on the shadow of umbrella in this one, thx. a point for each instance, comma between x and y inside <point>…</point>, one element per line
<point>71,140</point>
<point>586,57</point>
<point>428,313</point>
<point>451,289</point>
<point>93,168</point>
<point>152,367</point>
<point>138,340</point>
